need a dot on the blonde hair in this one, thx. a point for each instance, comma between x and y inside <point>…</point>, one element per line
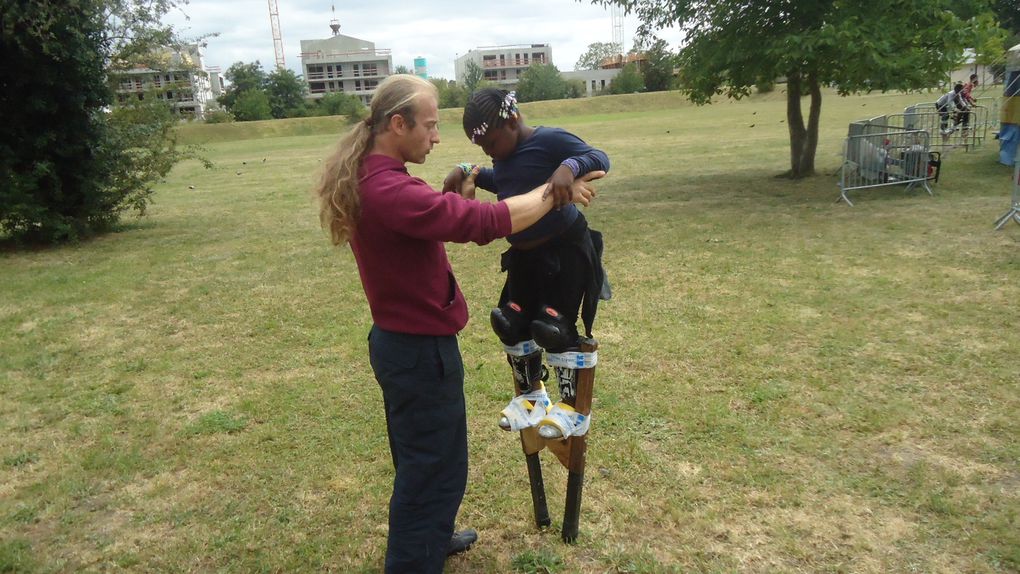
<point>337,192</point>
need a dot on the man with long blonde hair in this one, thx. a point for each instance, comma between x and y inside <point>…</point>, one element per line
<point>396,225</point>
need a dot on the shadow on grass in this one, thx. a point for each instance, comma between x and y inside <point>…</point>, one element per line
<point>11,244</point>
<point>763,189</point>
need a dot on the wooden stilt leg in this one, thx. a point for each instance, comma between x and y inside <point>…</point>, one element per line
<point>577,447</point>
<point>532,444</point>
<point>542,519</point>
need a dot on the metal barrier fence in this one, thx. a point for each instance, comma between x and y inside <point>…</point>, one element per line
<point>877,155</point>
<point>966,129</point>
<point>992,104</point>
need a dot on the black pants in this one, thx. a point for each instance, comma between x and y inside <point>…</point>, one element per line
<point>943,116</point>
<point>557,273</point>
<point>422,380</point>
<point>554,274</point>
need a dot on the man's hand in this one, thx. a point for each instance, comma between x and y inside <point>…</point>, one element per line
<point>559,186</point>
<point>581,189</point>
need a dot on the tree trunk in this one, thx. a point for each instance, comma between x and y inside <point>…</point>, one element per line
<point>803,139</point>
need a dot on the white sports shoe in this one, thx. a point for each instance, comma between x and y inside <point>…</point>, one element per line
<point>563,422</point>
<point>525,410</point>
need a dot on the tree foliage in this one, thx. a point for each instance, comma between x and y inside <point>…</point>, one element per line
<point>574,89</point>
<point>242,77</point>
<point>628,81</point>
<point>401,69</point>
<point>1008,14</point>
<point>659,66</point>
<point>473,75</point>
<point>252,105</point>
<point>596,53</point>
<point>51,181</point>
<point>865,45</point>
<point>451,95</point>
<point>341,104</point>
<point>541,82</point>
<point>69,166</point>
<point>286,92</point>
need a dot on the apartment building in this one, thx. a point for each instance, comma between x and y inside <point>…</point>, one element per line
<point>344,64</point>
<point>181,80</point>
<point>503,65</point>
<point>595,81</point>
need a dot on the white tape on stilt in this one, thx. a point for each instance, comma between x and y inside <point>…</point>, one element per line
<point>521,349</point>
<point>573,360</point>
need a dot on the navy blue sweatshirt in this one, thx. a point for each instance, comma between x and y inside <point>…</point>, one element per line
<point>531,165</point>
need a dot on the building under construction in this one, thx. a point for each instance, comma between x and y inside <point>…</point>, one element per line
<point>344,64</point>
<point>181,80</point>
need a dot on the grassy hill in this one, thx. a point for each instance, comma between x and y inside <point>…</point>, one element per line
<point>199,133</point>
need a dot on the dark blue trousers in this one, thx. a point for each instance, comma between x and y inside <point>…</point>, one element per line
<point>422,380</point>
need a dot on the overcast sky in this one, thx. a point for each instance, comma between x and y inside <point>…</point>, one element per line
<point>438,30</point>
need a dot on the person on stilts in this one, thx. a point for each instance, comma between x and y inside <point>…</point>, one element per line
<point>396,225</point>
<point>554,275</point>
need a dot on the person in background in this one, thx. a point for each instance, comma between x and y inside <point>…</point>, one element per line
<point>945,105</point>
<point>968,91</point>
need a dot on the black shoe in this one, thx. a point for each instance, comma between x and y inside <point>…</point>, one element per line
<point>461,541</point>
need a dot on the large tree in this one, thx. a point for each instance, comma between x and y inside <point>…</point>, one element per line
<point>659,66</point>
<point>242,77</point>
<point>69,166</point>
<point>863,45</point>
<point>596,53</point>
<point>286,91</point>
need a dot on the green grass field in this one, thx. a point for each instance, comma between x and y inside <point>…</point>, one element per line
<point>787,383</point>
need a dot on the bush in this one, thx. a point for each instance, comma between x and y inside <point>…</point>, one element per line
<point>628,81</point>
<point>541,82</point>
<point>341,104</point>
<point>141,148</point>
<point>69,167</point>
<point>218,117</point>
<point>252,105</point>
<point>52,186</point>
<point>576,89</point>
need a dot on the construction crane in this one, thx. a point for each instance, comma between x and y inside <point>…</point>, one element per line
<point>274,19</point>
<point>617,15</point>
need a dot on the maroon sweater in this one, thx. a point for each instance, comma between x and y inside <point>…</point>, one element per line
<point>398,245</point>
